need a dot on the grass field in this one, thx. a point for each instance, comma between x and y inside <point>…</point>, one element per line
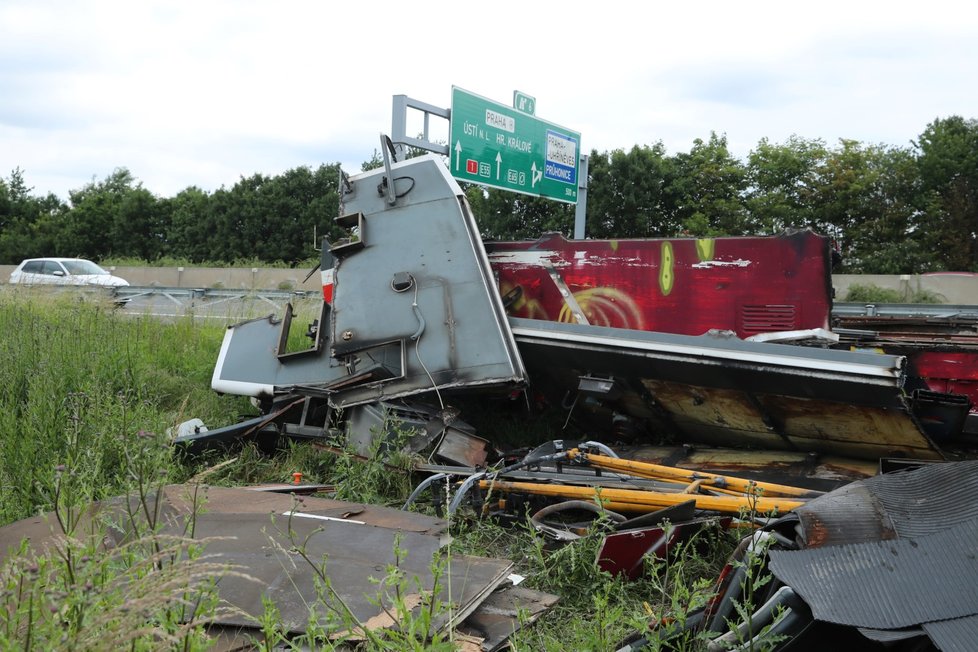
<point>87,396</point>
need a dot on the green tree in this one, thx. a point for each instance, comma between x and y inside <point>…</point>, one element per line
<point>878,207</point>
<point>782,182</point>
<point>114,217</point>
<point>628,193</point>
<point>259,218</point>
<point>708,189</point>
<point>505,215</point>
<point>28,224</point>
<point>947,159</point>
<point>294,203</point>
<point>191,228</point>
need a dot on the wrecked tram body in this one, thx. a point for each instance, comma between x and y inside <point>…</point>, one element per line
<point>688,286</point>
<point>720,341</point>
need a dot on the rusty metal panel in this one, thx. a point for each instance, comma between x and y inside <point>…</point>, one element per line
<point>911,503</point>
<point>850,514</point>
<point>729,392</point>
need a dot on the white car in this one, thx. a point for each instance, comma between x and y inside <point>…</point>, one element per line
<point>63,271</point>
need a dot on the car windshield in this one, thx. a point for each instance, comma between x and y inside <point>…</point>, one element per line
<point>79,267</point>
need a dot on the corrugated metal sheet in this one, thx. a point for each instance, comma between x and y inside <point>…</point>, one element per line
<point>850,514</point>
<point>887,584</point>
<point>891,635</point>
<point>929,499</point>
<point>903,504</point>
<point>956,635</point>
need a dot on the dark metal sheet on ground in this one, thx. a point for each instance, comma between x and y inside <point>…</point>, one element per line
<point>503,613</point>
<point>352,555</point>
<point>233,639</point>
<point>238,500</point>
<point>887,584</point>
<point>260,535</point>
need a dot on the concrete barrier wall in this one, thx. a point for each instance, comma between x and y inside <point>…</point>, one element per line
<point>951,287</point>
<point>257,278</point>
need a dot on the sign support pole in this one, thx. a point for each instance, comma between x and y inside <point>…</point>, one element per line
<point>580,210</point>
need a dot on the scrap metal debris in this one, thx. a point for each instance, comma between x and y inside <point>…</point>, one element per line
<point>352,545</point>
<point>580,474</point>
<point>727,345</point>
<point>416,305</point>
<point>668,505</point>
<point>890,560</point>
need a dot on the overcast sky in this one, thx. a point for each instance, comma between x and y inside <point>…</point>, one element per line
<point>202,93</point>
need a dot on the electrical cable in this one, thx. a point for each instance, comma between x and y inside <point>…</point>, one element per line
<point>416,338</point>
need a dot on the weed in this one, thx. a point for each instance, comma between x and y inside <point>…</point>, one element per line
<point>410,616</point>
<point>870,293</point>
<point>96,589</point>
<point>380,477</point>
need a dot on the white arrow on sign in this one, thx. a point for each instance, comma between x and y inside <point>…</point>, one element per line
<point>499,162</point>
<point>458,153</point>
<point>534,175</point>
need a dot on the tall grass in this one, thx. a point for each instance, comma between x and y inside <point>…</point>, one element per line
<point>79,382</point>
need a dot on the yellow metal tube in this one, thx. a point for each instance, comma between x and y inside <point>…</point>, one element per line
<point>652,499</point>
<point>673,474</point>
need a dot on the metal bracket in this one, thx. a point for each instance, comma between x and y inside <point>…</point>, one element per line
<point>399,125</point>
<point>567,295</point>
<point>387,149</point>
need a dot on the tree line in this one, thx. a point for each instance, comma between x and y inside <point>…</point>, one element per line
<point>889,209</point>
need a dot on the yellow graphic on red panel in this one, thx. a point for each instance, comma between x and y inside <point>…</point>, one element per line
<point>704,248</point>
<point>666,275</point>
<point>529,308</point>
<point>605,307</point>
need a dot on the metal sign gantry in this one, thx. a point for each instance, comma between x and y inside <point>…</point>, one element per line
<point>501,148</point>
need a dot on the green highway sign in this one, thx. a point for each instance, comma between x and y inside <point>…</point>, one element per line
<point>496,145</point>
<point>525,103</point>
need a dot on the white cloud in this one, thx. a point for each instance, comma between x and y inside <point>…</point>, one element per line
<point>201,93</point>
